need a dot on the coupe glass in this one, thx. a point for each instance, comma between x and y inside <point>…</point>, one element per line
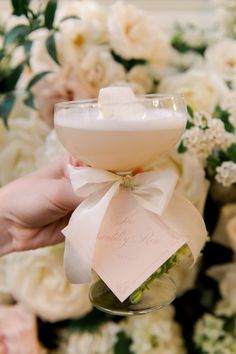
<point>136,134</point>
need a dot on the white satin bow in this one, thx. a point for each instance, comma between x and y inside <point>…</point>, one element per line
<point>153,191</point>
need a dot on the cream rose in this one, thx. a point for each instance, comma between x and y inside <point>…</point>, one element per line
<point>17,157</point>
<point>192,182</point>
<point>140,79</point>
<point>84,30</point>
<point>65,85</point>
<point>226,276</point>
<point>221,57</point>
<point>78,33</point>
<point>133,33</point>
<point>202,90</point>
<point>225,230</point>
<point>37,280</point>
<point>100,69</point>
<point>231,231</point>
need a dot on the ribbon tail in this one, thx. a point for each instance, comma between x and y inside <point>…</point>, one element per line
<point>81,234</point>
<point>186,220</point>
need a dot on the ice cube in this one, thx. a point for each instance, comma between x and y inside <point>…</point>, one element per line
<point>120,103</point>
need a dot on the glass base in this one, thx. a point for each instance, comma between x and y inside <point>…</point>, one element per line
<point>161,293</point>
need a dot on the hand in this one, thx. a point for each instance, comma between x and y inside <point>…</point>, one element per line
<point>35,208</point>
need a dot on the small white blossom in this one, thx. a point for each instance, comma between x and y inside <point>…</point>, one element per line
<point>226,173</point>
<point>216,131</point>
<point>197,140</point>
<point>100,342</point>
<point>228,140</point>
<point>211,337</point>
<point>202,119</point>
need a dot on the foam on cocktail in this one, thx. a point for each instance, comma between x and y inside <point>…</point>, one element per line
<point>119,133</point>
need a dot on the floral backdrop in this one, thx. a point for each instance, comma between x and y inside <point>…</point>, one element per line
<point>51,53</point>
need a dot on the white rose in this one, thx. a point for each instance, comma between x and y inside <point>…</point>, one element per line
<point>140,79</point>
<point>133,33</point>
<point>225,232</point>
<point>100,69</point>
<point>100,342</point>
<point>226,276</point>
<point>76,34</point>
<point>221,57</point>
<point>37,279</point>
<point>91,26</point>
<point>231,231</point>
<point>192,182</point>
<point>17,157</point>
<point>202,90</point>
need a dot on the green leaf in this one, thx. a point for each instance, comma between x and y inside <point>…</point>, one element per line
<point>122,346</point>
<point>2,54</point>
<point>182,148</point>
<point>29,101</point>
<point>181,46</point>
<point>213,162</point>
<point>49,14</point>
<point>9,79</point>
<point>51,48</point>
<point>128,64</point>
<point>224,115</point>
<point>37,78</point>
<point>16,34</point>
<point>6,106</point>
<point>232,152</point>
<point>20,7</point>
<point>27,47</point>
<point>190,111</point>
<point>91,322</point>
<point>189,125</point>
<point>72,17</point>
<point>223,156</point>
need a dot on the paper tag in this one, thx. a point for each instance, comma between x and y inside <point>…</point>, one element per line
<point>131,245</point>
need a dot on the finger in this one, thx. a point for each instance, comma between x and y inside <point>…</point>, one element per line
<point>35,238</point>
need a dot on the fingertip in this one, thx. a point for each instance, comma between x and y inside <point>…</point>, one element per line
<point>74,162</point>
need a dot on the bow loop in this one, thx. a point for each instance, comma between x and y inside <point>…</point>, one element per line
<point>86,180</point>
<point>153,190</point>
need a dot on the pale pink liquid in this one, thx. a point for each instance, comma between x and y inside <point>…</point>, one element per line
<point>120,145</point>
